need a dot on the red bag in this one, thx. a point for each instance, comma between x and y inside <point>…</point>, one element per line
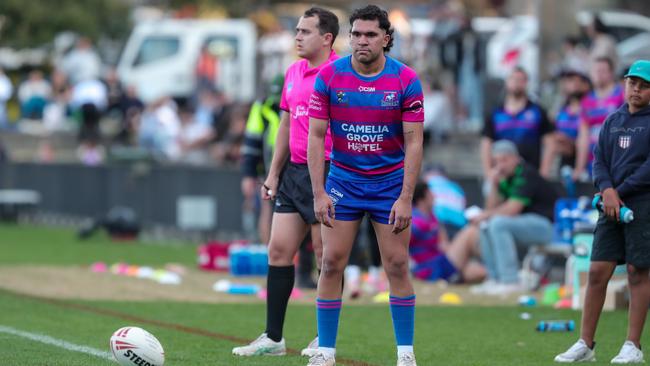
<point>213,256</point>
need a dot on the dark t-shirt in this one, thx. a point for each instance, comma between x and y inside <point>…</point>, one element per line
<point>221,119</point>
<point>528,187</point>
<point>525,129</point>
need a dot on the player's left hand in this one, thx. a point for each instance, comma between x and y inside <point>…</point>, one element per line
<point>400,215</point>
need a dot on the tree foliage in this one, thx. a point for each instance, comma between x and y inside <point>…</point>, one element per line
<point>33,23</point>
<point>234,8</point>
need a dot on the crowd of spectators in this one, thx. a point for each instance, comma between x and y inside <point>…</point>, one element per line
<point>80,95</point>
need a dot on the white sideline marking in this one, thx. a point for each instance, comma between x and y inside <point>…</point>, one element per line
<point>56,342</point>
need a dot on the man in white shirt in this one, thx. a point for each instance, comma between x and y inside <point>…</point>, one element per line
<point>82,63</point>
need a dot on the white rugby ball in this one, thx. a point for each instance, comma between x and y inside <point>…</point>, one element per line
<point>133,346</point>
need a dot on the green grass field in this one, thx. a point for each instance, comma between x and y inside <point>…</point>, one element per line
<point>203,334</point>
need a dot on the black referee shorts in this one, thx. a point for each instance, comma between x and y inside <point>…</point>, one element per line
<point>624,243</point>
<point>295,193</point>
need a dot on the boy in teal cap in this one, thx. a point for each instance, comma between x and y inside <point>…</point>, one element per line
<point>622,175</point>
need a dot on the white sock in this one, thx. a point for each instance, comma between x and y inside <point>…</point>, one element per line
<point>404,349</point>
<point>328,351</point>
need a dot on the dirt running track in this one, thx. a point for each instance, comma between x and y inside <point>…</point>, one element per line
<point>78,282</point>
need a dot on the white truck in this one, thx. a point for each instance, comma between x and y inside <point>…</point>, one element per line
<point>516,41</point>
<point>160,57</point>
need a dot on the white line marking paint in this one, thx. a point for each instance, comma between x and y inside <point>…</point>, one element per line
<point>57,342</point>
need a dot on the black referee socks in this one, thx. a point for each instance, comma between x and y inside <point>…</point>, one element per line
<point>279,284</point>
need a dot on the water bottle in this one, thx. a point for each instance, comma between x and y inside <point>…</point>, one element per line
<point>625,214</point>
<point>556,326</point>
<point>566,225</point>
<point>234,253</point>
<point>566,172</point>
<point>236,288</point>
<point>243,289</point>
<point>246,262</point>
<point>240,260</point>
<point>260,260</point>
<point>527,301</point>
<point>576,216</point>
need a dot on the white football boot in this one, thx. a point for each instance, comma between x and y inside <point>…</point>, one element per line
<point>311,349</point>
<point>579,352</point>
<point>322,359</point>
<point>406,359</point>
<point>262,346</point>
<point>629,354</point>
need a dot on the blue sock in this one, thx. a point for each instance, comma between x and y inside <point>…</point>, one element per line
<point>327,312</point>
<point>402,310</point>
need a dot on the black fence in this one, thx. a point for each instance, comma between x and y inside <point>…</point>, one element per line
<point>154,191</point>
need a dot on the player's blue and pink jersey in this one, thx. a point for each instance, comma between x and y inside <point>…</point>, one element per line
<point>568,122</point>
<point>526,128</point>
<point>365,116</point>
<point>429,262</point>
<point>424,244</point>
<point>594,111</point>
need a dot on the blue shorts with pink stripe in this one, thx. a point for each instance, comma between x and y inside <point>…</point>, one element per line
<point>353,199</point>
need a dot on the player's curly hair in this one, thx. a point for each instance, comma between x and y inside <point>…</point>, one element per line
<point>373,12</point>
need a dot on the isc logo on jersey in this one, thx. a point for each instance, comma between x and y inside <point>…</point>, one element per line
<point>367,89</point>
<point>133,346</point>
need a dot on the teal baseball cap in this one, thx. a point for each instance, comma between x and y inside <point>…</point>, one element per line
<point>640,69</point>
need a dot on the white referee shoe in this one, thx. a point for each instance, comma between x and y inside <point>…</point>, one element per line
<point>262,346</point>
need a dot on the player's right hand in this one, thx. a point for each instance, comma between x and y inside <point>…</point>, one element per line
<point>324,209</point>
<point>269,188</point>
<point>400,215</point>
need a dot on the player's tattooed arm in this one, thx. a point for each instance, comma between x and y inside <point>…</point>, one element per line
<point>400,216</point>
<point>412,157</point>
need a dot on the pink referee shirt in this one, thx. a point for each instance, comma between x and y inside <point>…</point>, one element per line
<point>298,87</point>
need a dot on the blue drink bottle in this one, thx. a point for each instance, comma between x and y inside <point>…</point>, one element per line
<point>625,214</point>
<point>556,326</point>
